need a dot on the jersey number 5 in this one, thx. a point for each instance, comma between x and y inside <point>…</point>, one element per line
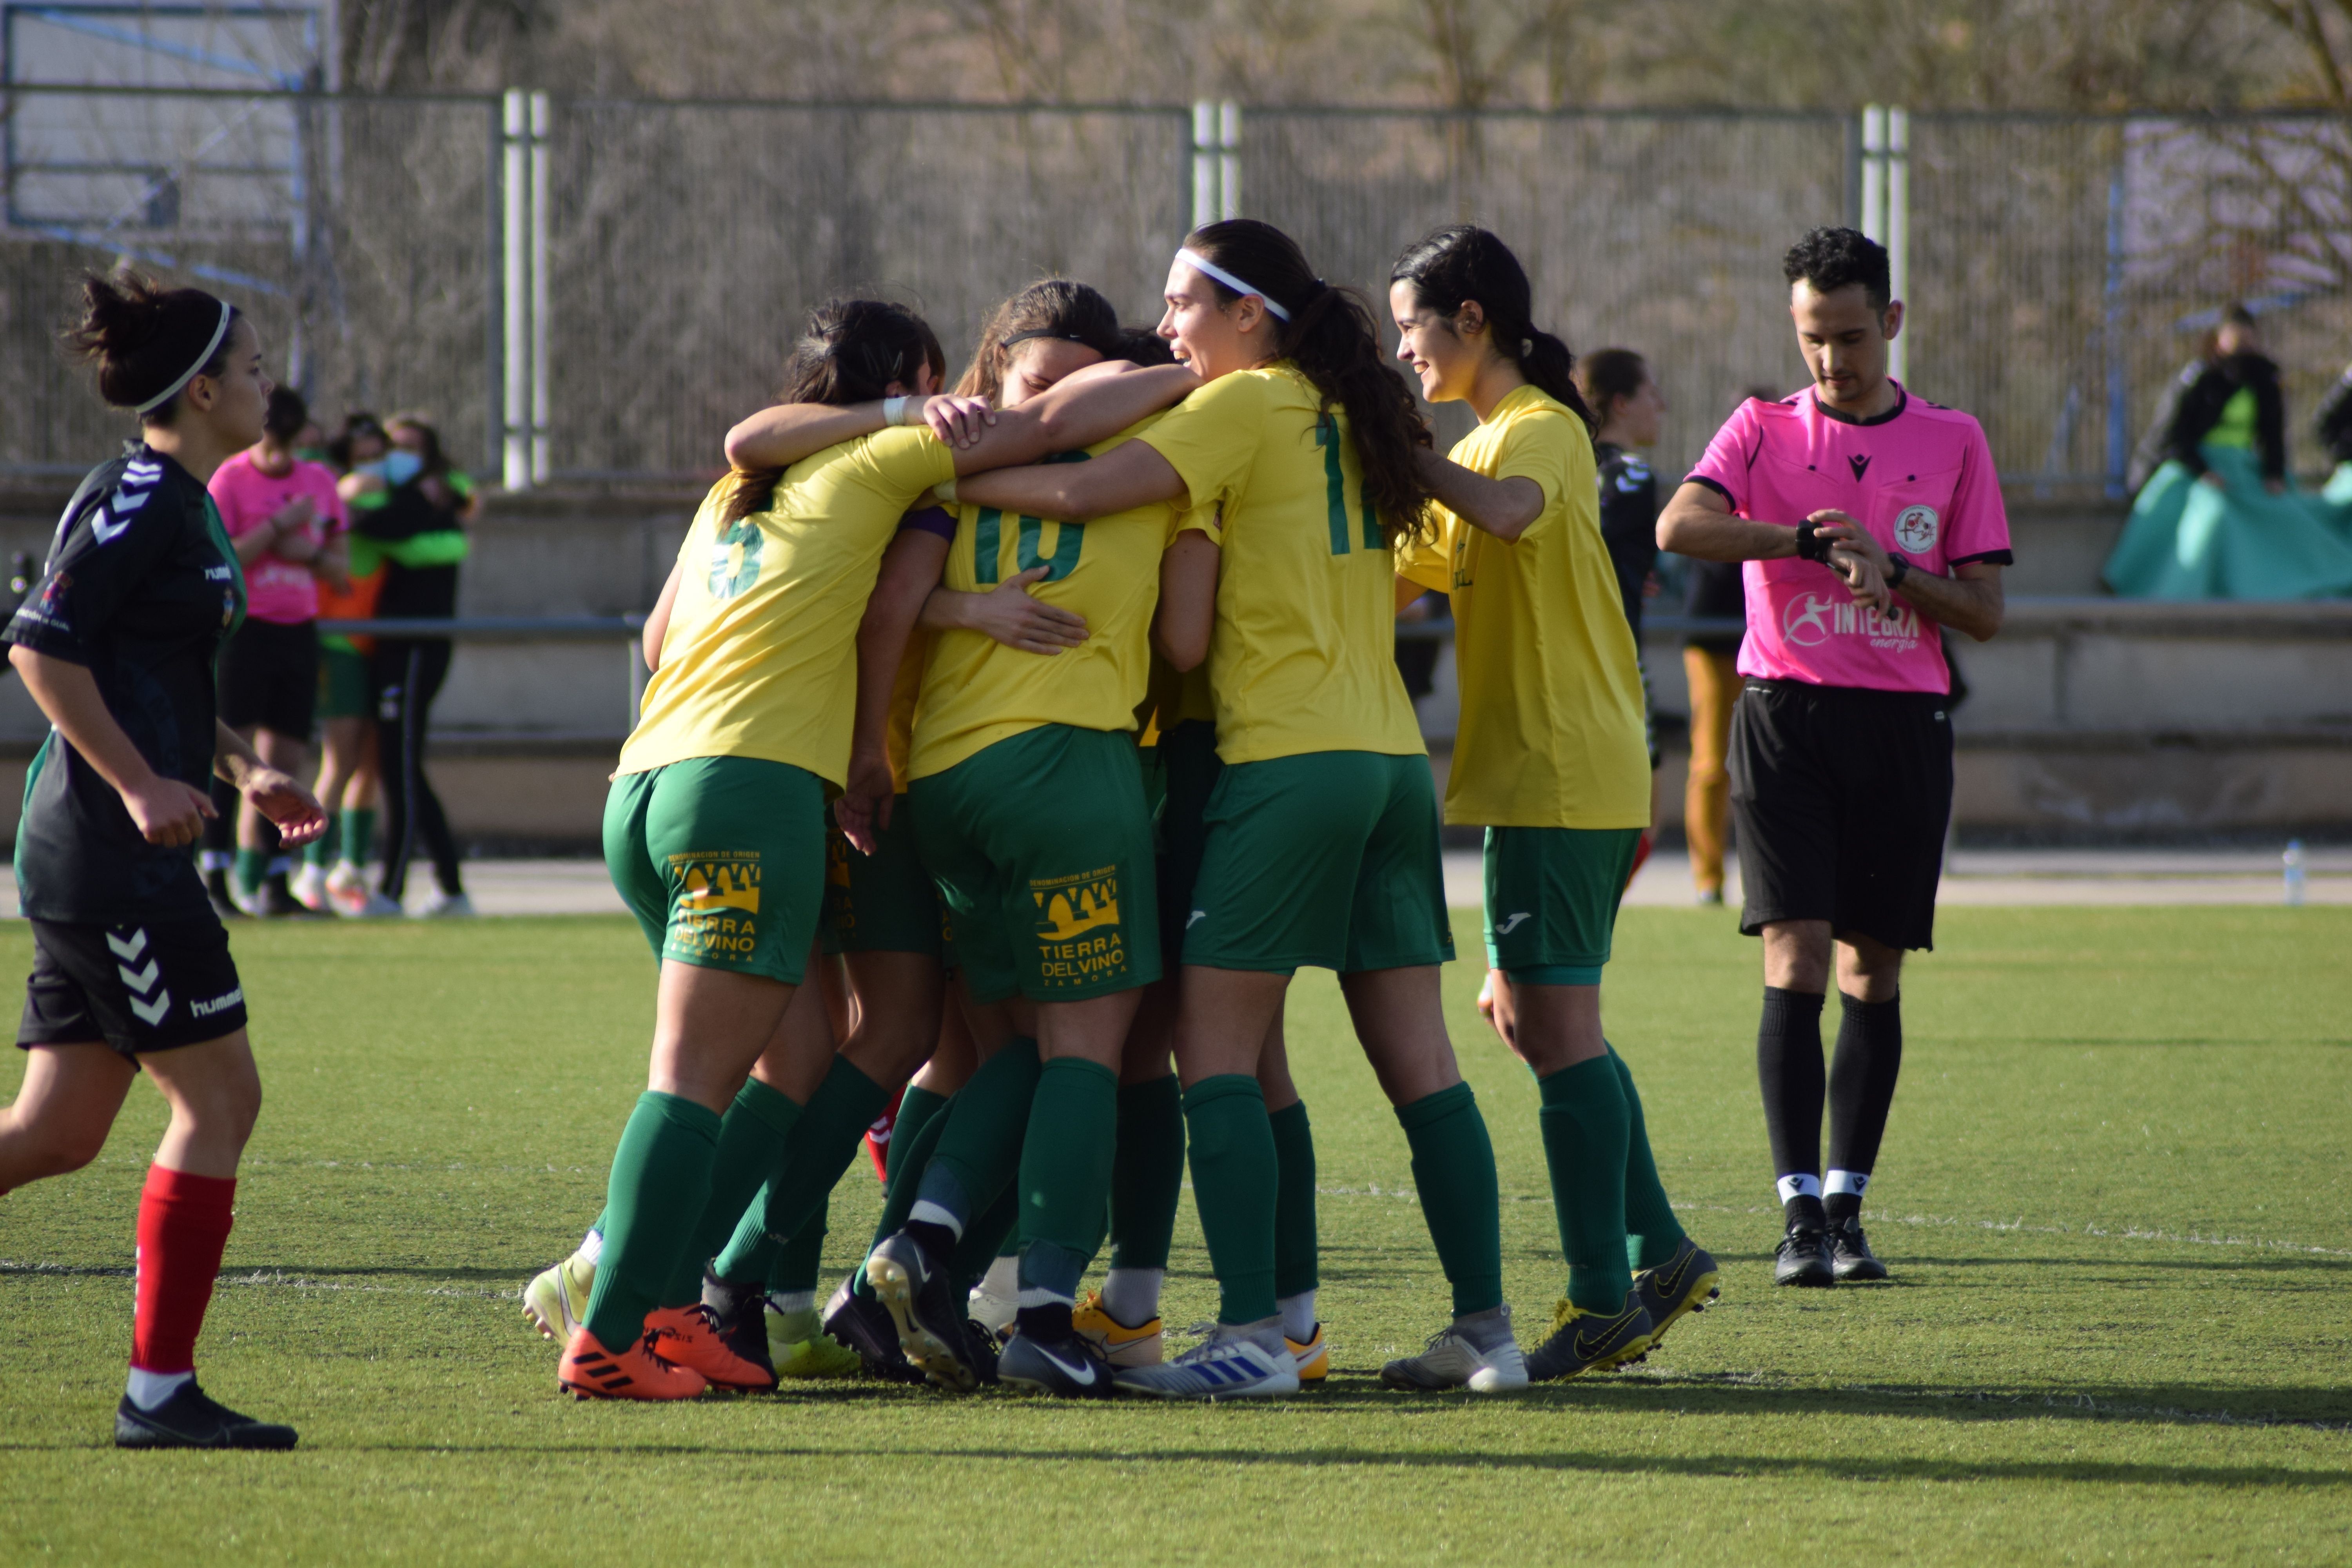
<point>1335,490</point>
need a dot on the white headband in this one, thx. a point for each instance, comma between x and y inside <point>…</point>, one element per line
<point>1202,264</point>
<point>189,375</point>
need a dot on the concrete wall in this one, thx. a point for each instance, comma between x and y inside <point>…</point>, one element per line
<point>2087,717</point>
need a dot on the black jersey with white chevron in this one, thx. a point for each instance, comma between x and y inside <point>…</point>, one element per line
<point>141,587</point>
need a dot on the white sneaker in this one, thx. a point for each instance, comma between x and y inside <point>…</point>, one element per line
<point>556,1301</point>
<point>444,906</point>
<point>1232,1363</point>
<point>356,900</point>
<point>309,886</point>
<point>1452,1360</point>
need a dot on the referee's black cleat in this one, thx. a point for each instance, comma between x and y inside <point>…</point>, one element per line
<point>1850,1253</point>
<point>1804,1257</point>
<point>861,1323</point>
<point>1686,1282</point>
<point>193,1419</point>
<point>914,1287</point>
<point>1068,1365</point>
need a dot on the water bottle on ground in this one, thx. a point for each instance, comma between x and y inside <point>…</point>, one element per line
<point>2292,860</point>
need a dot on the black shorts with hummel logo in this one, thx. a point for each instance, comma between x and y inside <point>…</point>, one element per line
<point>146,987</point>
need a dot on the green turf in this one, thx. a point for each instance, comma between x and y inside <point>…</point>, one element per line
<point>2114,1194</point>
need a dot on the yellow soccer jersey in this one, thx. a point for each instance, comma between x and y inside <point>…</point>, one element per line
<point>761,658</point>
<point>1303,655</point>
<point>977,691</point>
<point>1551,695</point>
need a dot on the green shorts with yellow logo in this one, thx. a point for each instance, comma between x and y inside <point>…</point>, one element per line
<point>1042,847</point>
<point>1552,900</point>
<point>1326,859</point>
<point>882,902</point>
<point>723,861</point>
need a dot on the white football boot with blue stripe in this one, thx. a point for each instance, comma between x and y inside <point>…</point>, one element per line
<point>1232,1363</point>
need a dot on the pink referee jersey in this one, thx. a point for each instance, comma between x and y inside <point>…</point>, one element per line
<point>1919,478</point>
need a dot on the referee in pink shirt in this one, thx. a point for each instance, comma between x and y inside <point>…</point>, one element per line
<point>1866,518</point>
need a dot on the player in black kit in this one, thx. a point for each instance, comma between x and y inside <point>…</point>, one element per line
<point>131,966</point>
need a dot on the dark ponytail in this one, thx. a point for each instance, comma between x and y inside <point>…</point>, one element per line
<point>1609,377</point>
<point>1052,306</point>
<point>1332,339</point>
<point>850,352</point>
<point>1450,267</point>
<point>143,337</point>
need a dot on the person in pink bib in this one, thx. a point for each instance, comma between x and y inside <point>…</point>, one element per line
<point>1866,518</point>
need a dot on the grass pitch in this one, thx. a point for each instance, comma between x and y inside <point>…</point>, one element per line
<point>2114,1194</point>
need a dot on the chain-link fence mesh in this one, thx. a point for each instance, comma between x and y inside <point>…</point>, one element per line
<point>2060,269</point>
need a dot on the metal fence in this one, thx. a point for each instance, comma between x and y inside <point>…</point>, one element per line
<point>2060,266</point>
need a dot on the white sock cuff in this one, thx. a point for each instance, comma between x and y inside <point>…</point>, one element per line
<point>1036,1296</point>
<point>1846,1182</point>
<point>1002,1279</point>
<point>791,1301</point>
<point>150,1389</point>
<point>592,1249</point>
<point>1800,1186</point>
<point>929,1212</point>
<point>1131,1296</point>
<point>1297,1316</point>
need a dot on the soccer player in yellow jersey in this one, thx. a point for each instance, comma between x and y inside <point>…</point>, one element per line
<point>1550,760</point>
<point>1322,830</point>
<point>714,831</point>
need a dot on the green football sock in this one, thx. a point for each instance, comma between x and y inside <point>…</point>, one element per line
<point>1584,1127</point>
<point>915,1113</point>
<point>1064,1174</point>
<point>1293,1202</point>
<point>796,1264</point>
<point>359,834</point>
<point>753,1136</point>
<point>982,1134</point>
<point>1234,1172</point>
<point>1653,1233</point>
<point>252,864</point>
<point>1453,1169</point>
<point>661,1170</point>
<point>994,1232</point>
<point>1146,1176</point>
<point>907,1178</point>
<point>321,851</point>
<point>806,1168</point>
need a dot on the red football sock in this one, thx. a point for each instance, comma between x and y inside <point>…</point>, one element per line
<point>183,1224</point>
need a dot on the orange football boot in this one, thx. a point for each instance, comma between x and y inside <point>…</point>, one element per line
<point>591,1372</point>
<point>689,1337</point>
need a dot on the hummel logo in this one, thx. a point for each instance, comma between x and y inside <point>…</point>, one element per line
<point>1508,926</point>
<point>1859,464</point>
<point>141,979</point>
<point>1083,1374</point>
<point>1198,916</point>
<point>152,1013</point>
<point>104,532</point>
<point>132,948</point>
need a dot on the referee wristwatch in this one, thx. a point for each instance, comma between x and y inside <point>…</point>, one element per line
<point>1898,569</point>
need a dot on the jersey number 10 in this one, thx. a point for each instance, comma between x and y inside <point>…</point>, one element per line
<point>1335,483</point>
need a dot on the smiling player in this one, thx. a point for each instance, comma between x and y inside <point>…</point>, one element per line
<point>1867,518</point>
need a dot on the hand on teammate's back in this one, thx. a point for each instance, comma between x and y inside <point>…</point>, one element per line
<point>1009,615</point>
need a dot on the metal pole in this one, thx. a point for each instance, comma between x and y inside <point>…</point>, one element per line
<point>2119,441</point>
<point>1229,142</point>
<point>1898,236</point>
<point>494,313</point>
<point>1874,172</point>
<point>1204,162</point>
<point>516,442</point>
<point>539,379</point>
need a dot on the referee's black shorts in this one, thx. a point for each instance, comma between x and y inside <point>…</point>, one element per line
<point>269,678</point>
<point>148,985</point>
<point>1842,797</point>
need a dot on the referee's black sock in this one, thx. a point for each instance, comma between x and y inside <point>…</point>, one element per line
<point>1862,1088</point>
<point>1789,1067</point>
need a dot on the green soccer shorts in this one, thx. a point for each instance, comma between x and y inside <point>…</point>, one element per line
<point>342,682</point>
<point>1041,845</point>
<point>723,861</point>
<point>1189,768</point>
<point>1552,900</point>
<point>1327,859</point>
<point>886,901</point>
